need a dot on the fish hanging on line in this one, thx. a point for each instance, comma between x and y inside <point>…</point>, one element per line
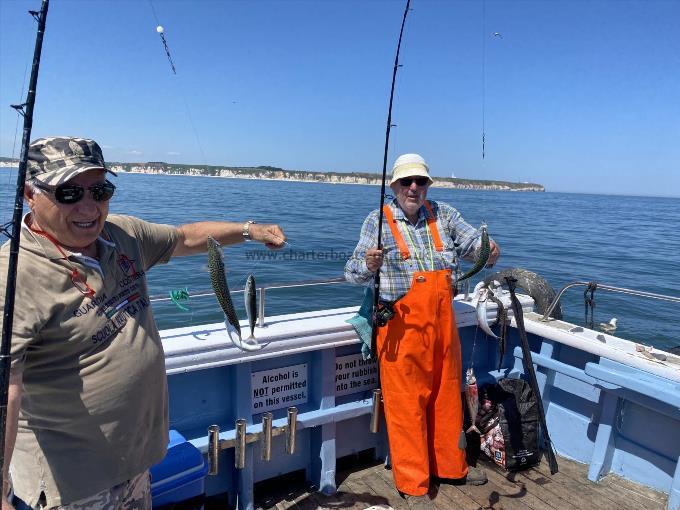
<point>482,259</point>
<point>218,279</point>
<point>472,399</point>
<point>161,31</point>
<point>250,299</point>
<point>482,299</point>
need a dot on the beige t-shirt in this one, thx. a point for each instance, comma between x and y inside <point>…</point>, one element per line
<point>94,410</point>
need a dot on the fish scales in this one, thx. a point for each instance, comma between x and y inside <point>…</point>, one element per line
<point>482,312</point>
<point>482,259</point>
<point>250,298</point>
<point>218,279</point>
<point>472,398</point>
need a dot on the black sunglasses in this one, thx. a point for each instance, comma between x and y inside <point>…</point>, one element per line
<point>72,193</point>
<point>407,181</point>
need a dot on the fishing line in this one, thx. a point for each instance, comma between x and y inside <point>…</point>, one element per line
<point>179,297</point>
<point>376,281</point>
<point>5,223</point>
<point>10,290</point>
<point>161,33</point>
<point>16,126</point>
<point>483,78</point>
<point>259,261</point>
<point>474,343</point>
<point>161,30</point>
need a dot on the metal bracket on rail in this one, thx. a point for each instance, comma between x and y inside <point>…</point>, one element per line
<point>19,108</point>
<point>242,438</point>
<point>590,304</point>
<point>7,230</point>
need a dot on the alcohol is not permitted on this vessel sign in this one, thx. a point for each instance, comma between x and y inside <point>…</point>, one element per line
<point>279,387</point>
<point>354,374</point>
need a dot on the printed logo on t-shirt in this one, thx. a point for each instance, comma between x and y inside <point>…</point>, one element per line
<point>118,314</point>
<point>127,265</point>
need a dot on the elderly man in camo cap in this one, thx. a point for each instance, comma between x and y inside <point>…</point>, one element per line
<point>88,404</point>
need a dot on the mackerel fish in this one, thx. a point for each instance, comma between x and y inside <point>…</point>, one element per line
<point>218,279</point>
<point>482,299</point>
<point>250,298</point>
<point>482,259</point>
<point>472,399</point>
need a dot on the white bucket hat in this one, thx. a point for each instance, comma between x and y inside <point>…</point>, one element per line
<point>410,165</point>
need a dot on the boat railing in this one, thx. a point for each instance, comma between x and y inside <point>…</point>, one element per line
<point>595,285</point>
<point>262,292</point>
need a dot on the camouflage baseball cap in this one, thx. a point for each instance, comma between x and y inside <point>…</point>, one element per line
<point>58,159</point>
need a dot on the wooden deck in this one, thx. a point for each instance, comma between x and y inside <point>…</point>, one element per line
<point>533,489</point>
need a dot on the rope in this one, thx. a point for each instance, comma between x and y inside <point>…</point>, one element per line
<point>178,296</point>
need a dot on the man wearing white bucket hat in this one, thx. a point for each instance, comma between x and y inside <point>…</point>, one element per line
<point>419,348</point>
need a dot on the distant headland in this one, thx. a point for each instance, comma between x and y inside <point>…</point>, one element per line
<point>280,174</point>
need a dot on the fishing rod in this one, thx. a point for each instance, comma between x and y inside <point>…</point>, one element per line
<point>26,110</point>
<point>376,283</point>
<point>530,372</point>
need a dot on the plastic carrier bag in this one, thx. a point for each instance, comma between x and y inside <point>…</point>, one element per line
<point>508,421</point>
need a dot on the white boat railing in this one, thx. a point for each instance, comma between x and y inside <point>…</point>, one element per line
<point>262,291</point>
<point>597,286</point>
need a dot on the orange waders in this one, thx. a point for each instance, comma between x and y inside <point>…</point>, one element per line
<point>420,375</point>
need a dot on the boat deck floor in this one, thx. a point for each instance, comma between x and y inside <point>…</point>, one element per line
<point>371,485</point>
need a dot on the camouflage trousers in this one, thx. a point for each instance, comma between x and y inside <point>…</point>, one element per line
<point>135,494</point>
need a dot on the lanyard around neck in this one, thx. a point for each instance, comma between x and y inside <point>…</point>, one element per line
<point>413,246</point>
<point>77,279</point>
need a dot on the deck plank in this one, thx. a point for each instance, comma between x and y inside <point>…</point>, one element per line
<point>380,480</point>
<point>574,476</point>
<point>535,486</point>
<point>492,496</point>
<point>533,489</point>
<point>449,497</point>
<point>366,495</point>
<point>573,494</point>
<point>518,489</point>
<point>629,490</point>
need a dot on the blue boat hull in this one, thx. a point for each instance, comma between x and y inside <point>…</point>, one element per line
<point>612,416</point>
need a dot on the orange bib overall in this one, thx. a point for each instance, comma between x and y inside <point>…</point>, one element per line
<point>420,375</point>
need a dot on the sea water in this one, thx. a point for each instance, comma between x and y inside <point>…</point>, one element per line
<point>621,241</point>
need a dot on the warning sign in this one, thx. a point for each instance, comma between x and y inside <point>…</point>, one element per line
<point>353,374</point>
<point>278,388</point>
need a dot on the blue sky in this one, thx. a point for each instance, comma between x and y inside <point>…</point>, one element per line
<point>580,95</point>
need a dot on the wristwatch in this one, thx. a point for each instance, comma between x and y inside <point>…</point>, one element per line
<point>246,230</point>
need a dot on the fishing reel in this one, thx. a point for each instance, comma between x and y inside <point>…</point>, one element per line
<point>384,313</point>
